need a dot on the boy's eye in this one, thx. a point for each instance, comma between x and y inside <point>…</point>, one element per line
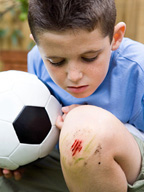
<point>89,59</point>
<point>57,64</point>
<point>60,63</point>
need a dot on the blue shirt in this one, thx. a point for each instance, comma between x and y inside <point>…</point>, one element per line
<point>121,92</point>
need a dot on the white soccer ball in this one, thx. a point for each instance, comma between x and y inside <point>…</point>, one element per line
<point>28,113</point>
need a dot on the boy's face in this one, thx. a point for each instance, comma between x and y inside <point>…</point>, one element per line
<point>77,61</point>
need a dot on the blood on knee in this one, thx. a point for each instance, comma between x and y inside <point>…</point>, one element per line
<point>76,147</point>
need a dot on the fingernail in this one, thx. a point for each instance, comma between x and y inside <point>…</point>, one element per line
<point>65,109</point>
<point>5,171</point>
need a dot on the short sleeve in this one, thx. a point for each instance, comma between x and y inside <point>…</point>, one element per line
<point>138,107</point>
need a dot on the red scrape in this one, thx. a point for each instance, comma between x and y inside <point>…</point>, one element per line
<point>76,146</point>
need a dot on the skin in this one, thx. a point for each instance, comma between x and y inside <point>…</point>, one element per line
<point>83,56</point>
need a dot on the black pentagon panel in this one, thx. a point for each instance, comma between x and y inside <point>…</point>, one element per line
<point>32,125</point>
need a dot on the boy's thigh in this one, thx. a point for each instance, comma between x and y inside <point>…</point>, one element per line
<point>138,186</point>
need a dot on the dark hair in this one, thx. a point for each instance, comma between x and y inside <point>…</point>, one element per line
<point>62,15</point>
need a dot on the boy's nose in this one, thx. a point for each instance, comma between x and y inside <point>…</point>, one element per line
<point>74,75</point>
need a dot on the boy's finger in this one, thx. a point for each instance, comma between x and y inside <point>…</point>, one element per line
<point>17,175</point>
<point>7,173</point>
<point>69,108</point>
<point>65,109</point>
<point>59,122</point>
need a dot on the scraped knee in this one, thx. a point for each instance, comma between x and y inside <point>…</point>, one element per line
<point>86,141</point>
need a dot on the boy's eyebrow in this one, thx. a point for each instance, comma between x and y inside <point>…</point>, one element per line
<point>53,57</point>
<point>87,52</point>
<point>92,51</point>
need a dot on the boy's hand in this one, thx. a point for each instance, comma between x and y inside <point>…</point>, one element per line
<point>17,174</point>
<point>65,110</point>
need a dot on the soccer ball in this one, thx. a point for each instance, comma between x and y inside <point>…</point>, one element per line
<point>28,113</point>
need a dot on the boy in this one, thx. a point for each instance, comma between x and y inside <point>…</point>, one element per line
<point>84,59</point>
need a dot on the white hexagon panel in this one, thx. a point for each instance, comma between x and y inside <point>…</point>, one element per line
<point>38,92</point>
<point>8,139</point>
<point>6,163</point>
<point>10,106</point>
<point>53,109</point>
<point>25,154</point>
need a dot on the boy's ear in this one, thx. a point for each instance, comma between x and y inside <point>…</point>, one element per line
<point>31,37</point>
<point>119,32</point>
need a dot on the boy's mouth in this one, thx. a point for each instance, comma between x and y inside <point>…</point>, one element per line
<point>76,89</point>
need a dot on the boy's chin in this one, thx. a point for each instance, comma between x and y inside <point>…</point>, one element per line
<point>82,95</point>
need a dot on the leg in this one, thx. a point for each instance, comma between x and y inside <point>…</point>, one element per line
<point>97,152</point>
